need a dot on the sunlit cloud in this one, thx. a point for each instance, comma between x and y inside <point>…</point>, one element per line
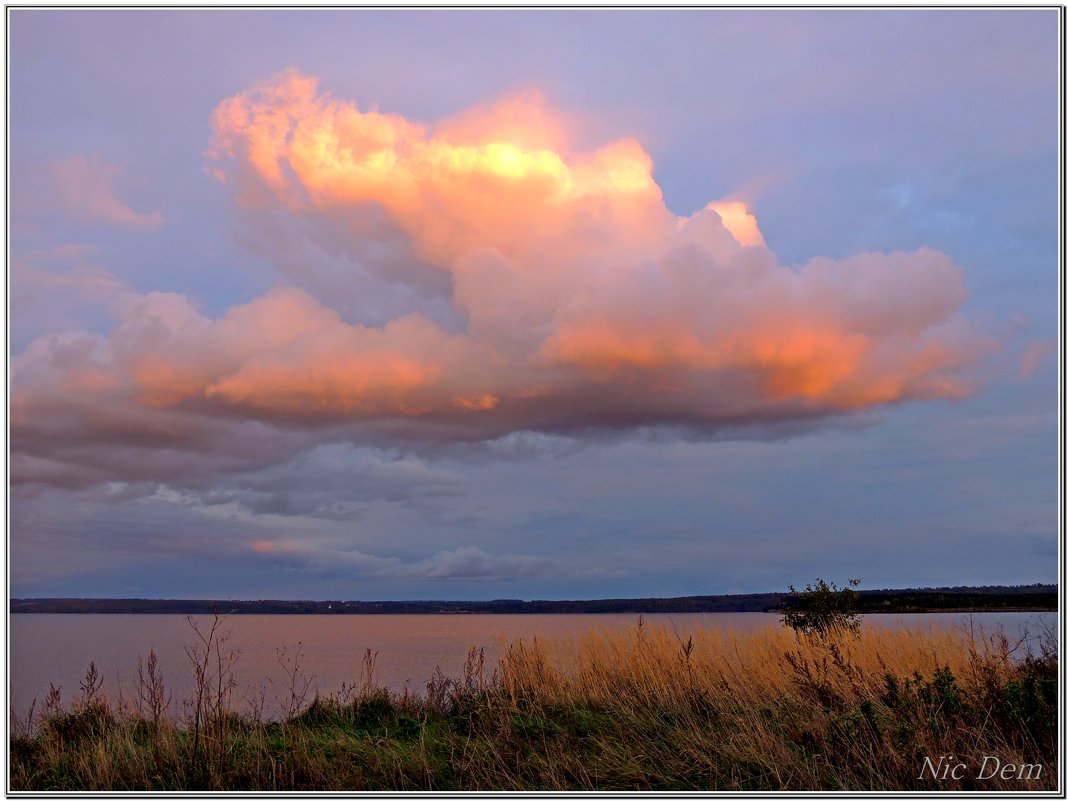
<point>579,301</point>
<point>737,219</point>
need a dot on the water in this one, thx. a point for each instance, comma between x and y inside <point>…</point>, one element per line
<point>46,648</point>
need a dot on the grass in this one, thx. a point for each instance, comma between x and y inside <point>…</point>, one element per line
<point>636,710</point>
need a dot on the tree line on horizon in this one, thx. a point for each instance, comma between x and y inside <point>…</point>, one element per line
<point>1030,597</point>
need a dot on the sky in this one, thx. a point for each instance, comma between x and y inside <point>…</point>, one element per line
<point>475,304</point>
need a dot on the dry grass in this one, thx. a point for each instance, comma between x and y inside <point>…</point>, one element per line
<point>643,709</point>
<point>769,709</point>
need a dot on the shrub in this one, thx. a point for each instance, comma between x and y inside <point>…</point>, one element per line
<point>822,609</point>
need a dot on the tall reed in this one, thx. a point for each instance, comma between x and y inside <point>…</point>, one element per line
<point>646,708</point>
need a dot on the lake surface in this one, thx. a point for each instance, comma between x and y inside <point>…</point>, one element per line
<point>47,648</point>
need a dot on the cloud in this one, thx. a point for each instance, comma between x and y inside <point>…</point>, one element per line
<point>465,562</point>
<point>51,289</point>
<point>576,301</point>
<point>329,482</point>
<point>59,276</point>
<point>470,562</point>
<point>1034,354</point>
<point>738,221</point>
<point>85,189</point>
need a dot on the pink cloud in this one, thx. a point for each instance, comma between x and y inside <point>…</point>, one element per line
<point>65,268</point>
<point>1034,354</point>
<point>86,190</point>
<point>579,300</point>
<point>52,289</point>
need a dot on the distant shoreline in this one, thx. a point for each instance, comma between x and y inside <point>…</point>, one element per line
<point>961,600</point>
<point>964,610</point>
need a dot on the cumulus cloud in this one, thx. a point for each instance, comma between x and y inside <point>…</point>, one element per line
<point>85,189</point>
<point>573,299</point>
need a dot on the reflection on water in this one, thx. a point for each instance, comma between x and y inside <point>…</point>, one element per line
<point>57,648</point>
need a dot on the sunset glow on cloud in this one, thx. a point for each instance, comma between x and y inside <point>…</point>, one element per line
<point>584,301</point>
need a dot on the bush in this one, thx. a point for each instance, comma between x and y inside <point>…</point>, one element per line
<point>822,609</point>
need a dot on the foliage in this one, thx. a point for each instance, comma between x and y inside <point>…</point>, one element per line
<point>822,609</point>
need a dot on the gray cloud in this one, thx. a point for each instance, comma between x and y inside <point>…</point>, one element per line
<point>463,563</point>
